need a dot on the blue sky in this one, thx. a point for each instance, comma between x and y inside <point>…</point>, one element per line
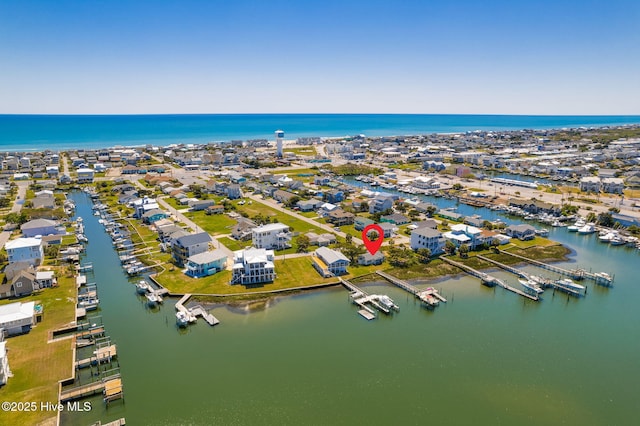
<point>493,57</point>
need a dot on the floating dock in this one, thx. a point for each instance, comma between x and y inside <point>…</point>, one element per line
<point>359,297</point>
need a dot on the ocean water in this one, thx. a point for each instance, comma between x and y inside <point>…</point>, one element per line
<point>59,132</point>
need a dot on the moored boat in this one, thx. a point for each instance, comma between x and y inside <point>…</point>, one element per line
<point>182,319</point>
<point>531,287</point>
<point>570,285</point>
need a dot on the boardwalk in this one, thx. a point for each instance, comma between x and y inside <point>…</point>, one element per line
<point>489,279</point>
<point>576,274</point>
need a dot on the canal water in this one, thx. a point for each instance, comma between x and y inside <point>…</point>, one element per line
<point>486,357</point>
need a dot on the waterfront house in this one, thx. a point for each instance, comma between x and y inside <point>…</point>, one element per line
<point>43,202</point>
<point>334,196</point>
<point>186,246</point>
<point>206,263</point>
<point>17,318</point>
<point>522,232</point>
<point>40,227</point>
<point>329,262</point>
<point>367,258</point>
<point>23,284</point>
<point>253,266</point>
<point>143,205</point>
<point>427,238</point>
<point>46,279</point>
<point>464,234</point>
<point>274,236</point>
<point>25,249</point>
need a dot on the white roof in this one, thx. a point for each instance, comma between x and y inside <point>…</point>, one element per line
<point>44,275</point>
<point>16,311</point>
<point>467,229</point>
<point>208,256</point>
<point>458,237</point>
<point>85,170</point>
<point>22,242</point>
<point>271,227</point>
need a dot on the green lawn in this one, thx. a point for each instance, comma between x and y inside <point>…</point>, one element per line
<point>295,223</point>
<point>215,224</point>
<point>233,244</point>
<point>307,150</point>
<point>38,366</point>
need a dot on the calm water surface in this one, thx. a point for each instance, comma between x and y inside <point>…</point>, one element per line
<point>486,357</point>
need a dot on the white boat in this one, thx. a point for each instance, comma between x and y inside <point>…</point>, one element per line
<point>387,302</point>
<point>182,319</point>
<point>574,228</point>
<point>89,304</point>
<point>142,287</point>
<point>531,286</point>
<point>571,285</point>
<point>589,228</point>
<point>152,299</point>
<point>617,241</point>
<point>607,237</point>
<point>603,277</point>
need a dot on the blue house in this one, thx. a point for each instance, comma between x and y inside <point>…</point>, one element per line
<point>154,215</point>
<point>335,196</point>
<point>205,264</point>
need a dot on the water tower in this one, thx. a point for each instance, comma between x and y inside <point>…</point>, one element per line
<point>279,139</point>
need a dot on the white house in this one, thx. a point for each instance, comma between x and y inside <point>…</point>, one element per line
<point>427,238</point>
<point>85,175</point>
<point>17,318</point>
<point>40,227</point>
<point>183,247</point>
<point>274,236</point>
<point>590,184</point>
<point>25,249</point>
<point>612,185</point>
<point>464,234</point>
<point>252,266</point>
<point>329,262</point>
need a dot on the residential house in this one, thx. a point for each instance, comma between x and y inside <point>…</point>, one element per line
<point>271,236</point>
<point>339,217</point>
<point>43,202</point>
<point>395,218</point>
<point>234,192</point>
<point>321,240</point>
<point>283,196</point>
<point>143,205</point>
<point>40,227</point>
<point>309,205</point>
<point>201,204</point>
<point>215,209</point>
<point>154,215</point>
<point>334,196</point>
<point>367,258</point>
<point>380,203</point>
<point>464,234</point>
<point>388,229</point>
<point>13,269</point>
<point>590,184</point>
<point>253,266</point>
<point>243,229</point>
<point>17,318</point>
<point>427,238</point>
<point>186,246</point>
<point>85,175</point>
<point>612,185</point>
<point>522,232</point>
<point>25,249</point>
<point>329,262</point>
<point>23,284</point>
<point>206,263</point>
<point>46,279</point>
<point>359,223</point>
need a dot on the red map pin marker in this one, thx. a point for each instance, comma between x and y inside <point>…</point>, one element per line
<point>372,246</point>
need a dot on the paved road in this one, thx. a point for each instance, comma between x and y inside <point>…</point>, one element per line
<point>22,185</point>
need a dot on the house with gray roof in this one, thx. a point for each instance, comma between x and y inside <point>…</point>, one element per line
<point>186,246</point>
<point>329,262</point>
<point>41,227</point>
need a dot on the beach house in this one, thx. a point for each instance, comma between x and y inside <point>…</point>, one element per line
<point>273,236</point>
<point>329,262</point>
<point>184,247</point>
<point>427,238</point>
<point>25,249</point>
<point>253,266</point>
<point>206,263</point>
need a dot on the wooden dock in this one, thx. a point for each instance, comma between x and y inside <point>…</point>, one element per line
<point>430,297</point>
<point>196,311</point>
<point>488,278</point>
<point>92,332</point>
<point>81,391</point>
<point>508,268</point>
<point>100,355</point>
<point>576,274</point>
<point>398,282</point>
